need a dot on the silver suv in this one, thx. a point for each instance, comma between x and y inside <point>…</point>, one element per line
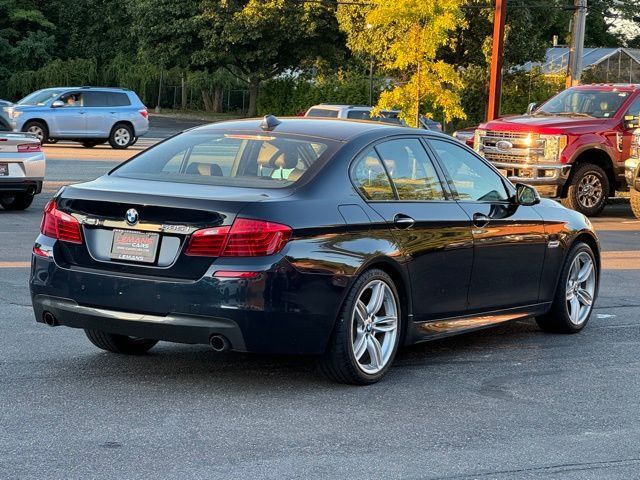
<point>89,115</point>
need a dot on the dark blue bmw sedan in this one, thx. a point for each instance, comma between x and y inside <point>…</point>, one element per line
<point>344,240</point>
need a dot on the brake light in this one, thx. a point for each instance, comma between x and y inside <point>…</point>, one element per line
<point>60,225</point>
<point>245,238</point>
<point>144,113</point>
<point>208,242</point>
<point>29,148</point>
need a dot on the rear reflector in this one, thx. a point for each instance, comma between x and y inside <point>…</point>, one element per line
<point>40,252</point>
<point>245,238</point>
<point>231,274</point>
<point>29,148</point>
<point>60,225</point>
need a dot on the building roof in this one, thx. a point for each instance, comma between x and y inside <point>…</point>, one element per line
<point>557,59</point>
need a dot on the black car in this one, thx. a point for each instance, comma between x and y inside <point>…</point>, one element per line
<point>339,239</point>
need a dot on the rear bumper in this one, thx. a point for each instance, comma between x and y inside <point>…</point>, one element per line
<point>20,185</point>
<point>171,328</point>
<point>280,311</point>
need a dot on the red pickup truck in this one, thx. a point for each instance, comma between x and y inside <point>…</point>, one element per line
<point>572,147</point>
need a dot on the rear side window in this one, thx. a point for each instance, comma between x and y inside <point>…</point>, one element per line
<point>234,159</point>
<point>96,99</point>
<point>359,115</point>
<point>118,99</point>
<point>322,112</point>
<point>371,179</point>
<point>411,170</point>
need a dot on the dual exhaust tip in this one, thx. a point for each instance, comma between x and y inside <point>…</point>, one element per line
<point>219,343</point>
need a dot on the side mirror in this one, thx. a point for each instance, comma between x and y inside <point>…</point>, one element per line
<point>57,104</point>
<point>526,195</point>
<point>631,122</point>
<point>532,107</point>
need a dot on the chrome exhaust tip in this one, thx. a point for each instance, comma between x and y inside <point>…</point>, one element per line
<point>219,343</point>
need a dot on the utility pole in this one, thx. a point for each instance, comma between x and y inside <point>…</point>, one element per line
<point>497,56</point>
<point>574,68</point>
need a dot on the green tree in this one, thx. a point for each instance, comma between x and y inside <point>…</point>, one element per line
<point>404,37</point>
<point>260,39</point>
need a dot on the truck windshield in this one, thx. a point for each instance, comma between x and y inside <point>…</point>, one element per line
<point>584,103</point>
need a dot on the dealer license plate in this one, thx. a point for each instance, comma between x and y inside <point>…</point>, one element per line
<point>134,246</point>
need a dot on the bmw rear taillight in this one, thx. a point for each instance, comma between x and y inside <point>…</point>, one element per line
<point>144,112</point>
<point>60,225</point>
<point>245,238</point>
<point>29,148</point>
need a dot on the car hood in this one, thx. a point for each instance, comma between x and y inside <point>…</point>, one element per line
<point>549,124</point>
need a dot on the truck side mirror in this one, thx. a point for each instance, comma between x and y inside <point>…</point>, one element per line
<point>631,122</point>
<point>532,107</point>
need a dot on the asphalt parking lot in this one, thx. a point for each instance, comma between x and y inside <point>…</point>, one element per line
<point>511,402</point>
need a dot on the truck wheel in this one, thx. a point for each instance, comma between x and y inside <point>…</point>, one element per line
<point>588,190</point>
<point>121,136</point>
<point>38,129</point>
<point>635,202</point>
<point>18,201</point>
<point>119,343</point>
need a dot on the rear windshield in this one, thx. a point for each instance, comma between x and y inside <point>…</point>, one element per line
<point>322,112</point>
<point>232,159</point>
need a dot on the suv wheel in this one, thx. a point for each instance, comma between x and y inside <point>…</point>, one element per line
<point>367,332</point>
<point>576,293</point>
<point>588,189</point>
<point>119,343</point>
<point>121,136</point>
<point>18,201</point>
<point>38,129</point>
<point>635,202</point>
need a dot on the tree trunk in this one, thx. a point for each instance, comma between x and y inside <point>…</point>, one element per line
<point>217,100</point>
<point>183,103</point>
<point>206,100</point>
<point>253,97</point>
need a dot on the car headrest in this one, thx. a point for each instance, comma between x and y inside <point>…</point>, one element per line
<point>205,169</point>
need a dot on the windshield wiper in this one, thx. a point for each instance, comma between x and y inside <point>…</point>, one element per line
<point>574,114</point>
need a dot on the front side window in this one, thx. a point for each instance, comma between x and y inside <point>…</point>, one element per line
<point>472,178</point>
<point>411,170</point>
<point>370,178</point>
<point>72,99</point>
<point>233,159</point>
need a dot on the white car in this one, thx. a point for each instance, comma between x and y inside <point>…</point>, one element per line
<point>22,166</point>
<point>352,112</point>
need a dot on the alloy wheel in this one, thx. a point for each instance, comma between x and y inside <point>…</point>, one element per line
<point>37,131</point>
<point>590,190</point>
<point>374,326</point>
<point>580,289</point>
<point>122,137</point>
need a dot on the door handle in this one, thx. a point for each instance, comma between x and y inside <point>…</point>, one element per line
<point>403,221</point>
<point>480,220</point>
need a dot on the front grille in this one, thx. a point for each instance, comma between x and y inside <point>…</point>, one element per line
<point>505,158</point>
<point>507,135</point>
<point>523,146</point>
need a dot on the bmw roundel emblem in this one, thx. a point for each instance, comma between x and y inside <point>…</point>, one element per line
<point>132,216</point>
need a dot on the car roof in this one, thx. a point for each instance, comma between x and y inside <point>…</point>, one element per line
<point>328,128</point>
<point>102,89</point>
<point>626,87</point>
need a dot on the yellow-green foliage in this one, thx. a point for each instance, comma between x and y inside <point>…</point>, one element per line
<point>403,36</point>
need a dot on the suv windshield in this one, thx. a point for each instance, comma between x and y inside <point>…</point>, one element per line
<point>584,103</point>
<point>232,159</point>
<point>41,97</point>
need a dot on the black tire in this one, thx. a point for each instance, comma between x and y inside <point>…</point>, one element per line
<point>39,128</point>
<point>339,363</point>
<point>89,144</point>
<point>119,343</point>
<point>634,200</point>
<point>17,201</point>
<point>135,140</point>
<point>557,319</point>
<point>117,134</point>
<point>579,180</point>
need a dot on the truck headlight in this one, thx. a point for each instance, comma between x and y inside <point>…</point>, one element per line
<point>477,139</point>
<point>630,167</point>
<point>553,147</point>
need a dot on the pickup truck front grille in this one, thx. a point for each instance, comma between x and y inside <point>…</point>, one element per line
<point>510,147</point>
